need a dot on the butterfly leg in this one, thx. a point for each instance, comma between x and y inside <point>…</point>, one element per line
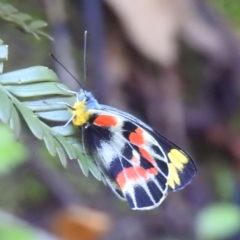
<point>63,103</point>
<point>65,125</point>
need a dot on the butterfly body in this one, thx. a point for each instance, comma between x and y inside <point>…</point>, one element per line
<point>139,164</point>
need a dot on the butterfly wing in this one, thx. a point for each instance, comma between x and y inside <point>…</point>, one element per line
<point>130,172</point>
<point>182,168</point>
<point>139,164</point>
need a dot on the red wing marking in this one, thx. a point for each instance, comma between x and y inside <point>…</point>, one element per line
<point>134,174</point>
<point>137,137</point>
<point>105,121</point>
<point>146,155</point>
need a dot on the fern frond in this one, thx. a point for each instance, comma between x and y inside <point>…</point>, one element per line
<point>34,94</point>
<point>23,21</point>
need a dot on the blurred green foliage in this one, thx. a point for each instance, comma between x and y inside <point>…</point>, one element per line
<point>22,21</point>
<point>218,221</point>
<point>13,231</point>
<point>224,180</point>
<point>231,9</point>
<point>12,153</point>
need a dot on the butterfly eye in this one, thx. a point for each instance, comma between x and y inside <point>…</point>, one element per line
<point>87,98</point>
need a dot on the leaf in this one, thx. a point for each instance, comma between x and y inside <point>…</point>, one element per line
<point>69,130</point>
<point>9,9</point>
<point>84,166</point>
<point>15,124</point>
<point>49,103</point>
<point>61,153</point>
<point>94,170</point>
<point>68,148</point>
<point>5,106</point>
<point>36,90</point>
<point>24,17</point>
<point>29,75</point>
<point>31,119</point>
<point>3,52</point>
<point>22,21</point>
<point>39,32</point>
<point>35,94</point>
<point>56,116</point>
<point>75,153</point>
<point>49,142</point>
<point>83,162</point>
<point>37,24</point>
<point>1,67</point>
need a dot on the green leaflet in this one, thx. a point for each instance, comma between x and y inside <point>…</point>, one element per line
<point>36,94</point>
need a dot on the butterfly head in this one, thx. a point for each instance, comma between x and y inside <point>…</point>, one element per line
<point>81,109</point>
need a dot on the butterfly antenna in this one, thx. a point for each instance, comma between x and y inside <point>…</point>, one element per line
<point>66,69</point>
<point>85,57</point>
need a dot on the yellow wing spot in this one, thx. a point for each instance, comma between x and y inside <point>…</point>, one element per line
<point>173,177</point>
<point>180,156</point>
<point>171,183</point>
<point>178,159</point>
<point>81,114</point>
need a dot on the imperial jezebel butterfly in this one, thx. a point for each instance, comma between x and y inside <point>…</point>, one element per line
<point>139,164</point>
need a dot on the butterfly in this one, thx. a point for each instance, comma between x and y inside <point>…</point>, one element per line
<point>139,164</point>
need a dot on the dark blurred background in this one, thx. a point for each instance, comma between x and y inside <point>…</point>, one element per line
<point>173,64</point>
